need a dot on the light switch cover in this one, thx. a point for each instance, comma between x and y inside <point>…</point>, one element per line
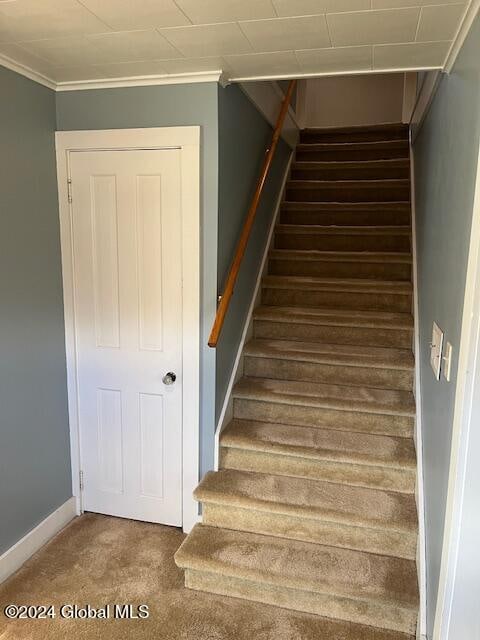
<point>447,362</point>
<point>436,347</point>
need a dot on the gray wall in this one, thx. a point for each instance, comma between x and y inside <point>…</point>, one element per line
<point>162,106</point>
<point>34,443</point>
<point>445,153</point>
<point>243,136</point>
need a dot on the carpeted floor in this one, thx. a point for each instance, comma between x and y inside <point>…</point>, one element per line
<point>99,560</point>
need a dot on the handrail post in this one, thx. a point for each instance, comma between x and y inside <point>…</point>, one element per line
<point>249,220</point>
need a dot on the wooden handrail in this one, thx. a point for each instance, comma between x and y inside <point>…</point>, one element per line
<point>250,219</point>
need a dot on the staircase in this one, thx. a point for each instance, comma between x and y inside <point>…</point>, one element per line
<point>313,508</point>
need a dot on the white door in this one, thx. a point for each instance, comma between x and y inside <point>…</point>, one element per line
<point>128,318</point>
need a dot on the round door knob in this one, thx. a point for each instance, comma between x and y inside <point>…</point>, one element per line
<point>169,378</point>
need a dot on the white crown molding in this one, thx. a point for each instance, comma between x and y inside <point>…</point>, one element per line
<point>186,78</point>
<point>219,76</point>
<point>460,36</point>
<point>133,81</point>
<point>7,62</point>
<point>304,76</point>
<point>143,81</point>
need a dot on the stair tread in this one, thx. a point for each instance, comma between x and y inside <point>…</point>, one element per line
<point>355,285</point>
<point>361,230</point>
<point>351,355</point>
<point>337,397</point>
<point>320,444</point>
<point>319,205</point>
<point>399,205</point>
<point>343,317</point>
<point>367,144</point>
<point>312,499</point>
<point>350,164</point>
<point>348,182</point>
<point>362,128</point>
<point>300,565</point>
<point>341,256</point>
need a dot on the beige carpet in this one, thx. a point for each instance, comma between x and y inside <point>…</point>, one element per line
<point>99,560</point>
<point>313,506</point>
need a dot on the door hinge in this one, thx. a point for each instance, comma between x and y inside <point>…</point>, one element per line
<point>69,190</point>
<point>81,480</point>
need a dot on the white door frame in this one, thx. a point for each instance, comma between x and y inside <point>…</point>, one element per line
<point>187,139</point>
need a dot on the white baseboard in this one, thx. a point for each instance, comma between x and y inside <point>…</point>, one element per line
<point>22,550</point>
<point>227,409</point>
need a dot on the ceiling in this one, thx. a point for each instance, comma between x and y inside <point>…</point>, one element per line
<point>77,40</point>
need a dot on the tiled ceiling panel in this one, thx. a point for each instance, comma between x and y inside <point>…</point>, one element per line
<point>439,23</point>
<point>373,27</point>
<point>262,64</point>
<point>208,39</point>
<point>312,7</point>
<point>132,46</point>
<point>336,59</point>
<point>307,32</point>
<point>80,40</point>
<point>124,15</point>
<point>208,11</point>
<point>34,19</point>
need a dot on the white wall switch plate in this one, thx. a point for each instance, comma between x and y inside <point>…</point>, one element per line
<point>447,362</point>
<point>436,347</point>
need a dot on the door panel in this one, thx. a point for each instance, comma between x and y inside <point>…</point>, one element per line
<point>105,260</point>
<point>128,317</point>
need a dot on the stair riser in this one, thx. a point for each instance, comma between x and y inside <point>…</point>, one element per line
<point>371,477</point>
<point>345,218</point>
<point>337,299</point>
<point>384,616</point>
<point>395,133</point>
<point>322,155</point>
<point>399,544</point>
<point>342,242</point>
<point>344,193</point>
<point>278,369</point>
<point>330,334</point>
<point>330,269</point>
<point>382,424</point>
<point>351,173</point>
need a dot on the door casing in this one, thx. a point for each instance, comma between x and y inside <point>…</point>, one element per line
<point>187,140</point>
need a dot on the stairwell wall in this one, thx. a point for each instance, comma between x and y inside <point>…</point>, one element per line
<point>445,156</point>
<point>243,137</point>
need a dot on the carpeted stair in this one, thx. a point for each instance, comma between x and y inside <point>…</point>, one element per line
<point>313,508</point>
